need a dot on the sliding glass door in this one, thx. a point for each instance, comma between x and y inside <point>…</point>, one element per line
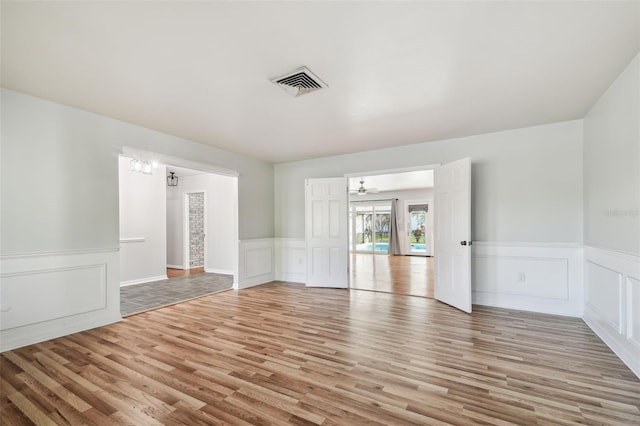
<point>370,225</point>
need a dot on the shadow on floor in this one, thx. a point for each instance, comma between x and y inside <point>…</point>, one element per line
<point>142,297</point>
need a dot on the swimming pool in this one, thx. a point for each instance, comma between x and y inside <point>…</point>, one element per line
<point>384,247</point>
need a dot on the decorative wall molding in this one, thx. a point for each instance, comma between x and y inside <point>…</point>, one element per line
<point>612,301</point>
<point>256,262</point>
<point>44,296</point>
<point>539,277</point>
<point>291,260</point>
<point>58,253</point>
<point>132,240</point>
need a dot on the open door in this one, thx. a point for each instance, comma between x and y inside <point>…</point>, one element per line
<point>452,193</point>
<point>326,232</point>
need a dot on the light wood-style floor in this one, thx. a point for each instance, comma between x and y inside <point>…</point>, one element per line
<point>286,354</point>
<point>178,273</point>
<point>410,275</point>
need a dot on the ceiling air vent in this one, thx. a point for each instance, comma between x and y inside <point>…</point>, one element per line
<point>299,82</point>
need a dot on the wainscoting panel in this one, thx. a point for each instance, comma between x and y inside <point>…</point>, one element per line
<point>529,276</point>
<point>633,309</point>
<point>291,260</point>
<point>603,287</point>
<point>256,262</point>
<point>612,301</point>
<point>47,295</point>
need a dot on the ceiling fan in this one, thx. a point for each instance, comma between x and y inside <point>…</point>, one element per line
<point>364,191</point>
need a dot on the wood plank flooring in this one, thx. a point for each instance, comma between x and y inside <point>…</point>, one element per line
<point>410,275</point>
<point>177,273</point>
<point>284,354</point>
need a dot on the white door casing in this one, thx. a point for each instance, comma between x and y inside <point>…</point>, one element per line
<point>326,232</point>
<point>452,220</point>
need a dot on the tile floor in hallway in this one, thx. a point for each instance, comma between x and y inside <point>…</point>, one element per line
<point>141,297</point>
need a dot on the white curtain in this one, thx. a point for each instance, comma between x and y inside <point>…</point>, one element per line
<point>394,234</point>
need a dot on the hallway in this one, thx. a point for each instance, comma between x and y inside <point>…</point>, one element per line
<point>408,275</point>
<point>142,297</point>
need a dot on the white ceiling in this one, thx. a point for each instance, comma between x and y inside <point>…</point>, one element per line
<point>398,72</point>
<point>418,179</point>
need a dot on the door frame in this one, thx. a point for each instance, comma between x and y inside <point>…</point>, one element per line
<point>169,160</point>
<point>429,227</point>
<point>431,166</point>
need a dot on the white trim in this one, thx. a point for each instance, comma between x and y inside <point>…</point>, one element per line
<point>143,280</point>
<point>627,354</point>
<point>133,240</point>
<point>615,328</point>
<point>48,332</point>
<point>219,271</point>
<point>527,244</point>
<point>552,274</point>
<point>290,262</point>
<point>178,162</point>
<point>393,171</point>
<point>96,305</point>
<point>176,267</point>
<point>256,262</point>
<point>59,253</point>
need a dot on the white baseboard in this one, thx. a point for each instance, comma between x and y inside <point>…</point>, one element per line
<point>218,271</point>
<point>30,287</point>
<point>143,280</point>
<point>176,267</point>
<point>612,302</point>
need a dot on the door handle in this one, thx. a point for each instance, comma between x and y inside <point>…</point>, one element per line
<point>464,243</point>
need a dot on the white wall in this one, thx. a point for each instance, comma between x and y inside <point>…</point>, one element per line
<point>526,183</point>
<point>612,166</point>
<point>143,241</point>
<point>612,216</point>
<point>221,221</point>
<point>526,211</point>
<point>60,218</point>
<point>68,164</point>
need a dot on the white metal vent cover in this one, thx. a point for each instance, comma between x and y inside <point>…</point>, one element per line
<point>299,82</point>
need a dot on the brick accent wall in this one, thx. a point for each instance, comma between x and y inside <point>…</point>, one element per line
<point>196,230</point>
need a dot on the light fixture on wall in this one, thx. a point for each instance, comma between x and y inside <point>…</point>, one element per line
<point>142,166</point>
<point>172,179</point>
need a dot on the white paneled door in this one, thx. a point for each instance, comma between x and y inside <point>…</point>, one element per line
<point>326,232</point>
<point>452,193</point>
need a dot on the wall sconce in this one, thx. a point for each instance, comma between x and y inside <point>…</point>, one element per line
<point>172,179</point>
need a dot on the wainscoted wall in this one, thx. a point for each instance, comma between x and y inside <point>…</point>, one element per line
<point>131,251</point>
<point>256,263</point>
<point>612,301</point>
<point>47,295</point>
<point>536,277</point>
<point>291,260</point>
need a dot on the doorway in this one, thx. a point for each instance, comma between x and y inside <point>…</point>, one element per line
<point>165,223</point>
<point>371,268</point>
